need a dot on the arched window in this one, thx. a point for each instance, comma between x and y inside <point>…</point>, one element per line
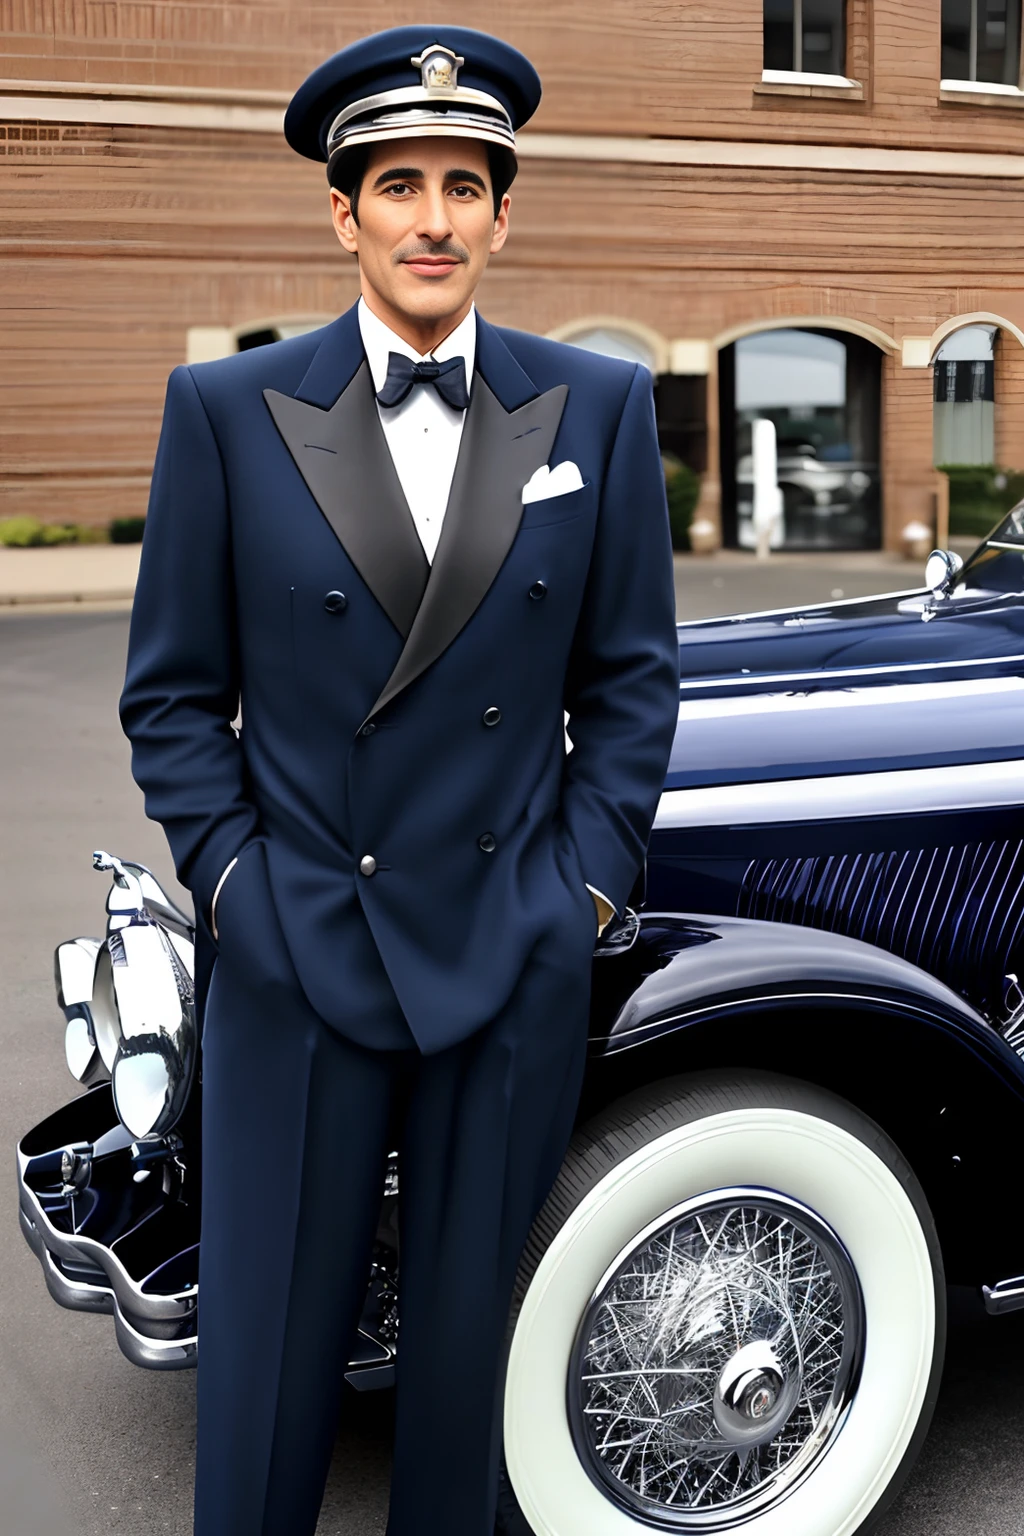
<point>964,395</point>
<point>615,343</point>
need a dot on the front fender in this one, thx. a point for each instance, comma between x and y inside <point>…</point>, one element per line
<point>711,993</point>
<point>697,968</point>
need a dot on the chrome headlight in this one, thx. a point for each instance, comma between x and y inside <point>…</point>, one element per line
<point>150,1086</point>
<point>74,966</point>
<point>105,1023</point>
<point>143,1002</point>
<point>155,1005</point>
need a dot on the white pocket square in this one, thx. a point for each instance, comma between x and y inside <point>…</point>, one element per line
<point>547,482</point>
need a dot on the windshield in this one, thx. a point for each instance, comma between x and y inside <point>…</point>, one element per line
<point>998,564</point>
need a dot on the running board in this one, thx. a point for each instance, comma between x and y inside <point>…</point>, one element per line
<point>1005,1296</point>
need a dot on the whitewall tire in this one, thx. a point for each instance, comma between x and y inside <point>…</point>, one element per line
<point>730,1315</point>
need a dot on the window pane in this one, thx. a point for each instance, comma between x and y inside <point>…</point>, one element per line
<point>821,392</point>
<point>956,40</point>
<point>964,432</point>
<point>964,419</point>
<point>999,41</point>
<point>971,343</point>
<point>964,383</point>
<point>824,37</point>
<point>778,34</point>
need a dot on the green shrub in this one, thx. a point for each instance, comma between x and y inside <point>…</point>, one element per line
<point>682,487</point>
<point>127,530</point>
<point>20,532</point>
<point>29,532</point>
<point>980,495</point>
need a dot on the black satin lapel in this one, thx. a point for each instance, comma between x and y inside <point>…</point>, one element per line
<point>499,452</point>
<point>343,457</point>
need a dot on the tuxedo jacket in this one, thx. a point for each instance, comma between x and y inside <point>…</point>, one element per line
<point>395,711</point>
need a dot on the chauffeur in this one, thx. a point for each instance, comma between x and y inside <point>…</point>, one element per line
<point>405,544</point>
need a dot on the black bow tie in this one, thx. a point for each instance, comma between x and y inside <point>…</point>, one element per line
<point>449,379</point>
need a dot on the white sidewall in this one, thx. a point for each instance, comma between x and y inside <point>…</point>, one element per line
<point>797,1154</point>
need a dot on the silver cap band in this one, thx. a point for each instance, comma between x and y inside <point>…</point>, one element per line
<point>461,112</point>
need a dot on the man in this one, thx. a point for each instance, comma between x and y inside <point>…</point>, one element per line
<point>404,545</point>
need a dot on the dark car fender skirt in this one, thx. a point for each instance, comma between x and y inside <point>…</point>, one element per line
<point>703,966</point>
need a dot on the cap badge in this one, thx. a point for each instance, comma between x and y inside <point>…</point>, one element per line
<point>438,68</point>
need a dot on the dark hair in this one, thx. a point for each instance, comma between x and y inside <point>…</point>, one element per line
<point>345,172</point>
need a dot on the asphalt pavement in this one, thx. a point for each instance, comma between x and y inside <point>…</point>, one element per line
<point>92,1446</point>
<point>734,582</point>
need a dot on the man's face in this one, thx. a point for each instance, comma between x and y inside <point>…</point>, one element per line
<point>426,226</point>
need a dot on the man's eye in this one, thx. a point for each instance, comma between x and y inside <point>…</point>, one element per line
<point>399,186</point>
<point>464,192</point>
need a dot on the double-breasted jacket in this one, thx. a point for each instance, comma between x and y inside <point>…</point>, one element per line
<point>400,775</point>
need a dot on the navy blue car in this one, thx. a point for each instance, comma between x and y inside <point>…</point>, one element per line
<point>804,1093</point>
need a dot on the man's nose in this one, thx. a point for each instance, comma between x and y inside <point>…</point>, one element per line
<point>434,222</point>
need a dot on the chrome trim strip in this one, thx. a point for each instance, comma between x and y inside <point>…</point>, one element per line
<point>887,696</point>
<point>759,679</point>
<point>904,791</point>
<point>1005,1296</point>
<point>629,1039</point>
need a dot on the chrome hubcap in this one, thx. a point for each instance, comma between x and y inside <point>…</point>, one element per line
<point>754,1396</point>
<point>716,1360</point>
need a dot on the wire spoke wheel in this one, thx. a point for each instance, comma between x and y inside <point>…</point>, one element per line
<point>728,1320</point>
<point>716,1359</point>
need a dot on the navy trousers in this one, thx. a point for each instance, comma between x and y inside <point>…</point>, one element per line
<point>297,1125</point>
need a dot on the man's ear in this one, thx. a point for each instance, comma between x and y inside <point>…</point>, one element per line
<point>500,234</point>
<point>346,226</point>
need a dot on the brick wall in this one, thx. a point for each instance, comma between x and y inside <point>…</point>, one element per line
<point>115,240</point>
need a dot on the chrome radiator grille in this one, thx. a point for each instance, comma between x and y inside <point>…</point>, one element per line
<point>956,912</point>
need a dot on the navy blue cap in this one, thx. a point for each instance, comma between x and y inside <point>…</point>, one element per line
<point>409,81</point>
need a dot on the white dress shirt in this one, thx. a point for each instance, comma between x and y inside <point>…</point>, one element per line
<point>424,432</point>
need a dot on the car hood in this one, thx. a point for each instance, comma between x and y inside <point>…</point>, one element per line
<point>893,681</point>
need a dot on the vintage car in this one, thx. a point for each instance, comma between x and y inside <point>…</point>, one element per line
<point>830,500</point>
<point>802,1113</point>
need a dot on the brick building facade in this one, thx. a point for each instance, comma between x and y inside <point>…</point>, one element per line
<point>675,196</point>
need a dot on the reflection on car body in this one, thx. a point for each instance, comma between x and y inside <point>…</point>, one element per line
<point>827,503</point>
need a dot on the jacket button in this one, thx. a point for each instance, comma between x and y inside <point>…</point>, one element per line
<point>367,865</point>
<point>485,842</point>
<point>538,590</point>
<point>335,602</point>
<point>367,729</point>
<point>492,715</point>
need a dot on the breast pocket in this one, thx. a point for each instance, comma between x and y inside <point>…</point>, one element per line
<point>557,509</point>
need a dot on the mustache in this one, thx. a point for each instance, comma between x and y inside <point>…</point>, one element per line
<point>447,247</point>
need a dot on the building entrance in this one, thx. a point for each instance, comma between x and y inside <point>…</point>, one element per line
<point>821,390</point>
